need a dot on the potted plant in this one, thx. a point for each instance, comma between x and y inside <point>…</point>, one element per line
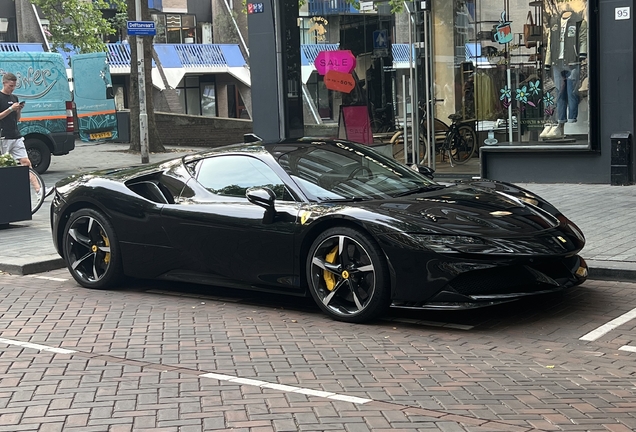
<point>15,198</point>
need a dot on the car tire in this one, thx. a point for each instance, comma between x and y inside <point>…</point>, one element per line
<point>91,250</point>
<point>39,154</point>
<point>348,276</point>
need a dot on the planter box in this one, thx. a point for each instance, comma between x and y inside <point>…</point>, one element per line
<point>15,195</point>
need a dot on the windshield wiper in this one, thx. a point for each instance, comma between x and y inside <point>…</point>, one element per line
<point>419,189</point>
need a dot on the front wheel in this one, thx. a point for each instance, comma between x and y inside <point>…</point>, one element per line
<point>348,275</point>
<point>463,144</point>
<point>91,250</point>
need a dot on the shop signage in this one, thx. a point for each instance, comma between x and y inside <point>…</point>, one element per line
<point>338,81</point>
<point>356,124</point>
<point>502,32</point>
<point>340,61</point>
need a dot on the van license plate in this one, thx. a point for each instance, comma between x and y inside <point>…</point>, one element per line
<point>100,135</point>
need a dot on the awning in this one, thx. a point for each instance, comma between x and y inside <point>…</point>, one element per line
<point>173,76</point>
<point>242,74</point>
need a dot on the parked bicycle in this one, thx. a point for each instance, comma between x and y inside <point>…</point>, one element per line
<point>457,141</point>
<point>37,190</point>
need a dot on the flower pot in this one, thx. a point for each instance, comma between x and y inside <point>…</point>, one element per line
<point>15,195</point>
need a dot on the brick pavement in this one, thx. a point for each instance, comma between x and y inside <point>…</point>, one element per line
<point>140,352</point>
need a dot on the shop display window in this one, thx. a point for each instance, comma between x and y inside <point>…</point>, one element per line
<point>518,68</point>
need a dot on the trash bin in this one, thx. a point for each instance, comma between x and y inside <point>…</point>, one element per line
<point>123,126</point>
<point>621,159</point>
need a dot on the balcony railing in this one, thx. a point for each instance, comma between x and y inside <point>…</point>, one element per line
<point>183,55</point>
<point>330,7</point>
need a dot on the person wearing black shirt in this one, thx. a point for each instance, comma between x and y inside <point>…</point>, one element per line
<point>11,140</point>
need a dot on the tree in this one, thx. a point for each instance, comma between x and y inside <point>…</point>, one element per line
<point>154,141</point>
<point>78,23</point>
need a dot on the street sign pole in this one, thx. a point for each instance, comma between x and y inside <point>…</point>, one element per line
<point>141,83</point>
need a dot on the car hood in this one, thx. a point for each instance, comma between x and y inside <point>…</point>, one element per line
<point>462,210</point>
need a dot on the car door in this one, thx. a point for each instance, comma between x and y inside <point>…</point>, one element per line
<point>222,234</point>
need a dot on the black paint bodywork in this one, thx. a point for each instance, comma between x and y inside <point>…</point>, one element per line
<point>169,226</point>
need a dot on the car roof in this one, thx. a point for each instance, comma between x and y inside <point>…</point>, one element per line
<point>273,148</point>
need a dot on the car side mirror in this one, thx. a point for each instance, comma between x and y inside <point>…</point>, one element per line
<point>424,170</point>
<point>109,92</point>
<point>263,197</point>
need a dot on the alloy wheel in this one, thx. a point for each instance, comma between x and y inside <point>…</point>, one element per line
<point>343,275</point>
<point>88,249</point>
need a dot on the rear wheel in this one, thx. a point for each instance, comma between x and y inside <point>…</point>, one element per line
<point>39,154</point>
<point>348,276</point>
<point>91,250</point>
<point>463,144</point>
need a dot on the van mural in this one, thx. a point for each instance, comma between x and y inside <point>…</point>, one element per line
<point>47,122</point>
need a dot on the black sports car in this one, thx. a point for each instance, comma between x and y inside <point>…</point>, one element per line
<point>352,227</point>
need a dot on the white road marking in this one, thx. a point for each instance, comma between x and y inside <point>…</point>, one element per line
<point>286,388</point>
<point>627,348</point>
<point>606,328</point>
<point>36,346</point>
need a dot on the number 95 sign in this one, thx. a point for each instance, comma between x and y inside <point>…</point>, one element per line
<point>622,13</point>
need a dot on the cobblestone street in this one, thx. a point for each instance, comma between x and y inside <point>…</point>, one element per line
<point>171,357</point>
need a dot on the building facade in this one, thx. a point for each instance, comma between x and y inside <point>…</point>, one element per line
<point>197,76</point>
<point>544,83</point>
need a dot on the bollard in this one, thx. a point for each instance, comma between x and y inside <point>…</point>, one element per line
<point>621,159</point>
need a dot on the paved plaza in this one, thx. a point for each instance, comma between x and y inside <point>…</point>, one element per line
<point>171,357</point>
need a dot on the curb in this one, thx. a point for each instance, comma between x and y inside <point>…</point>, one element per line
<point>27,268</point>
<point>620,271</point>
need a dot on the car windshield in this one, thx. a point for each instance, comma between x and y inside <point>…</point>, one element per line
<point>343,171</point>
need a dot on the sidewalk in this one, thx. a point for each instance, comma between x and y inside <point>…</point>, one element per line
<point>603,212</point>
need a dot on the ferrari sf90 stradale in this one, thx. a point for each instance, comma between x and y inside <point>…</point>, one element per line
<point>353,228</point>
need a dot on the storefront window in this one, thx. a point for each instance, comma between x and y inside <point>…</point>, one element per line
<point>517,68</point>
<point>208,100</point>
<point>189,95</point>
<point>174,28</point>
<point>160,24</point>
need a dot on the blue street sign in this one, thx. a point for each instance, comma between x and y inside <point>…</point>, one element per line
<point>141,28</point>
<point>380,39</point>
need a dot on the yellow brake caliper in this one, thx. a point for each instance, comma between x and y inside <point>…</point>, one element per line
<point>107,244</point>
<point>330,279</point>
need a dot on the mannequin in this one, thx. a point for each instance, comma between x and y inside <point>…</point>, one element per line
<point>567,47</point>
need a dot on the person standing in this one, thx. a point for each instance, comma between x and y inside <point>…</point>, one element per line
<point>10,112</point>
<point>11,140</point>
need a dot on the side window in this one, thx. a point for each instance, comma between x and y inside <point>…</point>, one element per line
<point>233,175</point>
